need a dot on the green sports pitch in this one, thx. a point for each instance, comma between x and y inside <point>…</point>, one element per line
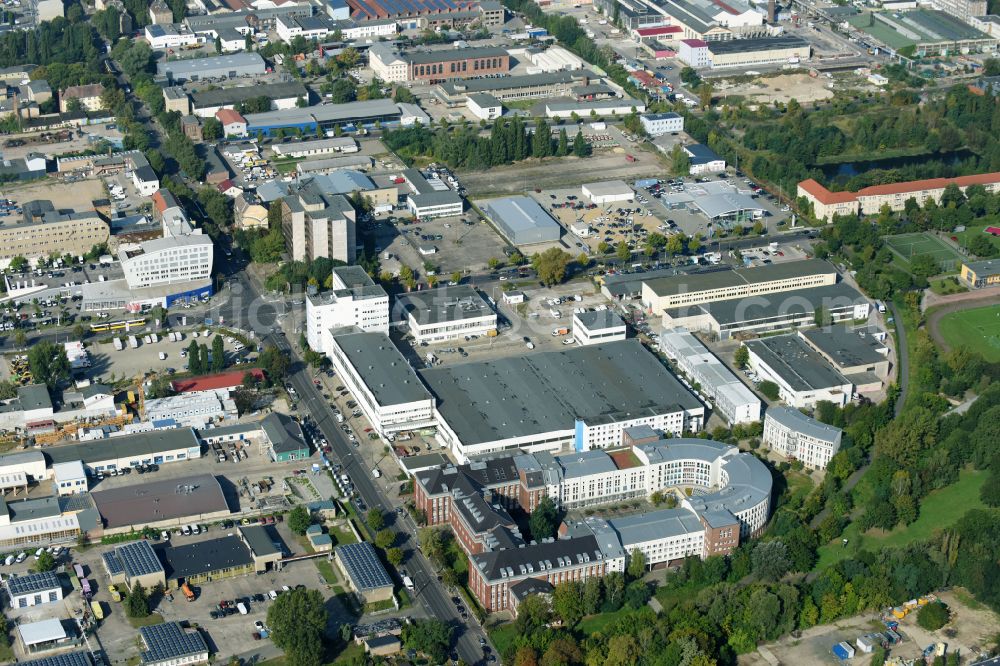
<point>907,246</point>
<point>978,329</point>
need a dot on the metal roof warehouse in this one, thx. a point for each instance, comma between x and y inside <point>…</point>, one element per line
<point>191,497</point>
<point>327,116</point>
<point>521,220</point>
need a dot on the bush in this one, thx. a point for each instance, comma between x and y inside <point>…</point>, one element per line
<point>769,389</point>
<point>933,616</point>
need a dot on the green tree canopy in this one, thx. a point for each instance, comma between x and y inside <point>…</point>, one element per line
<point>297,620</point>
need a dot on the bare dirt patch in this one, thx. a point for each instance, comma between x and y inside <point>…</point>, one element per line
<point>783,88</point>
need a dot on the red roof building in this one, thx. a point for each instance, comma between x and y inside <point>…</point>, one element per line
<point>659,31</point>
<point>222,381</point>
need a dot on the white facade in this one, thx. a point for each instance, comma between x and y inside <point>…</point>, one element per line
<point>657,124</point>
<point>69,478</point>
<point>343,144</point>
<point>38,597</point>
<point>168,37</point>
<point>588,330</point>
<point>368,29</point>
<point>167,260</point>
<point>426,207</point>
<point>386,414</point>
<point>366,307</point>
<point>694,52</point>
<point>484,107</point>
<point>192,409</point>
<point>732,398</point>
<point>608,192</point>
<point>387,64</point>
<point>555,59</point>
<point>29,465</point>
<point>795,435</point>
<point>145,181</point>
<point>801,397</point>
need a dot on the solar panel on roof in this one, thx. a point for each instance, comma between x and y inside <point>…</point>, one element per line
<point>113,564</point>
<point>69,659</point>
<point>363,566</point>
<point>168,641</point>
<point>139,558</point>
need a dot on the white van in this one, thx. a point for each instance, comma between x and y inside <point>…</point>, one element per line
<point>242,608</point>
<point>9,561</point>
<point>186,530</point>
<point>408,583</point>
<point>273,595</point>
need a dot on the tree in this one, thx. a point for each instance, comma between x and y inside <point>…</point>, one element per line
<point>343,91</point>
<point>525,656</point>
<point>532,615</point>
<point>46,562</point>
<point>298,620</point>
<point>580,146</point>
<point>933,616</point>
<point>432,543</point>
<point>741,357</point>
<point>394,556</point>
<point>18,264</point>
<point>769,560</point>
<point>769,389</point>
<point>49,364</point>
<point>680,161</point>
<point>690,77</point>
<point>137,602</point>
<point>562,146</point>
<point>567,602</point>
<point>274,362</point>
<point>550,265</point>
<point>218,354</point>
<point>562,652</point>
<point>623,252</point>
<point>385,538</point>
<point>375,519</point>
<point>456,277</point>
<point>636,564</point>
<point>544,520</point>
<point>430,637</point>
<point>822,317</point>
<point>705,95</point>
<point>211,129</point>
<point>299,519</point>
<point>593,595</point>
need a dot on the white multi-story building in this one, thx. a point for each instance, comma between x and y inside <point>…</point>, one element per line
<point>388,64</point>
<point>596,326</point>
<point>446,313</point>
<point>169,36</point>
<point>803,376</point>
<point>386,388</point>
<point>731,397</point>
<point>579,398</point>
<point>167,260</point>
<point>657,124</point>
<point>192,409</point>
<point>795,435</point>
<point>354,300</point>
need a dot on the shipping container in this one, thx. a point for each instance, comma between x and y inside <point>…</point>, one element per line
<point>843,651</point>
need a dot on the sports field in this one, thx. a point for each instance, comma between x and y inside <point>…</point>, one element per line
<point>906,246</point>
<point>978,329</point>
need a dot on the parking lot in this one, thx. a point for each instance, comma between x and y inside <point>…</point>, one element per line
<point>459,244</point>
<point>77,197</point>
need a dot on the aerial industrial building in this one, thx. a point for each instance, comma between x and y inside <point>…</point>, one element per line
<point>521,220</point>
<point>581,398</point>
<point>803,376</point>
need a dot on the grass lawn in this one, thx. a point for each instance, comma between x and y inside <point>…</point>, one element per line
<point>940,509</point>
<point>978,329</point>
<point>287,166</point>
<point>948,285</point>
<point>974,230</point>
<point>148,621</point>
<point>799,485</point>
<point>326,571</point>
<point>341,536</point>
<point>595,623</point>
<point>503,637</point>
<point>351,654</point>
<point>905,246</point>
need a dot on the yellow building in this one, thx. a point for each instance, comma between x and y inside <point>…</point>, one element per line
<point>979,274</point>
<point>44,231</point>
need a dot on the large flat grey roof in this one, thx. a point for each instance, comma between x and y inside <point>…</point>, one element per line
<point>513,82</point>
<point>529,395</point>
<point>328,113</point>
<point>436,306</point>
<point>599,320</point>
<point>665,286</point>
<point>222,96</point>
<point>444,55</point>
<point>153,501</point>
<point>769,306</point>
<point>800,366</point>
<point>146,443</point>
<point>521,220</point>
<point>799,422</point>
<point>196,65</point>
<point>847,347</point>
<point>381,366</point>
<point>654,525</point>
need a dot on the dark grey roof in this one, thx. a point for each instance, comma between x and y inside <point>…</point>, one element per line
<point>529,395</point>
<point>33,509</point>
<point>543,80</point>
<point>384,370</point>
<point>442,198</point>
<point>233,96</point>
<point>165,499</point>
<point>775,306</point>
<point>34,396</point>
<point>598,320</point>
<point>756,44</point>
<point>530,586</point>
<point>444,55</point>
<point>985,267</point>
<point>169,641</point>
<point>718,279</point>
<point>138,558</point>
<point>146,443</point>
<point>80,658</point>
<point>846,347</point>
<point>537,559</point>
<point>234,429</point>
<point>262,540</point>
<point>363,566</point>
<point>444,304</point>
<point>204,557</point>
<point>652,525</point>
<point>801,367</point>
<point>32,583</point>
<point>798,422</point>
<point>284,433</point>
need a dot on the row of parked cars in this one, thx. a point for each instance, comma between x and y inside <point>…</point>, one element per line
<point>54,551</point>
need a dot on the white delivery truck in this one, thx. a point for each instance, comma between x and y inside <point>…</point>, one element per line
<point>132,342</point>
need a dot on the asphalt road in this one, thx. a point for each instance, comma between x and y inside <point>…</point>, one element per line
<point>429,592</point>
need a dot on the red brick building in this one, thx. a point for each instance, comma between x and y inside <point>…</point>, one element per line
<point>434,66</point>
